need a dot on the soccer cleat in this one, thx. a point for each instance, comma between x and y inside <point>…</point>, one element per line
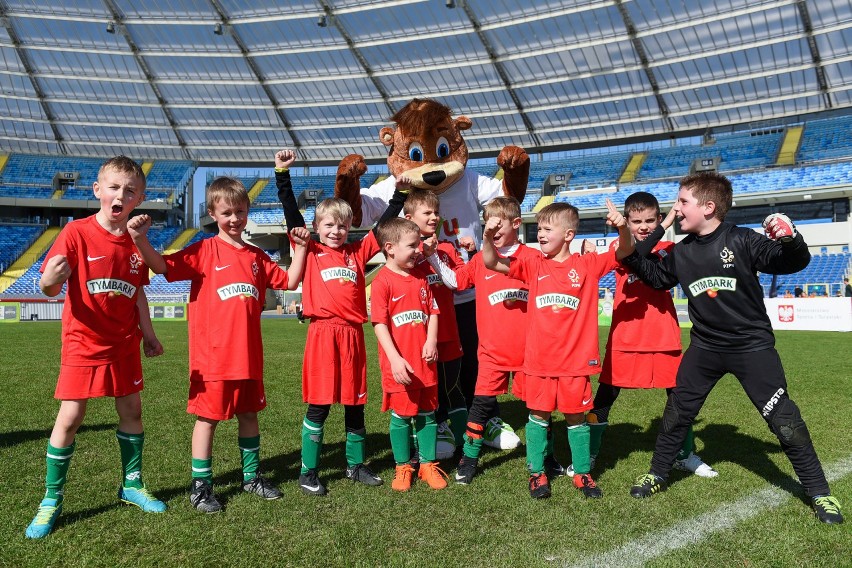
<point>500,435</point>
<point>402,477</point>
<point>570,469</point>
<point>646,485</point>
<point>446,445</point>
<point>142,498</point>
<point>433,475</point>
<point>201,496</point>
<point>587,486</point>
<point>539,486</point>
<point>827,509</point>
<point>694,464</point>
<point>45,517</point>
<point>263,487</point>
<point>553,468</point>
<point>466,470</point>
<point>363,474</point>
<point>310,483</point>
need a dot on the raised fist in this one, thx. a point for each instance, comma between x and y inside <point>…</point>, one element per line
<point>779,227</point>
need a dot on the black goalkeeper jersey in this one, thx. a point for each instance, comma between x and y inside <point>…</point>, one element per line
<point>718,274</point>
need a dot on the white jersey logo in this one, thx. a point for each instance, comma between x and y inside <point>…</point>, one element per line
<point>338,273</point>
<point>509,295</point>
<point>712,285</point>
<point>412,317</point>
<point>237,289</point>
<point>111,286</point>
<point>557,302</point>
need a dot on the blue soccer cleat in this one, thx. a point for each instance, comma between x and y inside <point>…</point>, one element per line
<point>142,499</point>
<point>42,524</point>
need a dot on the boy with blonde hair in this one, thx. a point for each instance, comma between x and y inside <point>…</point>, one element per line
<point>405,319</point>
<point>105,316</point>
<point>229,278</point>
<point>564,289</point>
<point>334,300</point>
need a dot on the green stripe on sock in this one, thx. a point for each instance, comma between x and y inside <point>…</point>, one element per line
<point>400,437</point>
<point>578,439</point>
<point>355,450</point>
<point>427,435</point>
<point>536,444</point>
<point>688,444</point>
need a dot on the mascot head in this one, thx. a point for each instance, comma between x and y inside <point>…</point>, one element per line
<point>426,145</point>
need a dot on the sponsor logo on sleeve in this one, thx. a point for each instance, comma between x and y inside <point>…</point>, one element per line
<point>434,280</point>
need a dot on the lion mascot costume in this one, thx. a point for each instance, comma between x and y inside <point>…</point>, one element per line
<point>426,144</point>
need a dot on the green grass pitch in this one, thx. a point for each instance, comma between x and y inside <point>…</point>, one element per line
<point>493,522</point>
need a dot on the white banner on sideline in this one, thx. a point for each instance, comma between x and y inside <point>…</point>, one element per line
<point>811,314</point>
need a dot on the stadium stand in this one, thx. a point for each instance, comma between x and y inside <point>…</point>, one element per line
<point>14,240</point>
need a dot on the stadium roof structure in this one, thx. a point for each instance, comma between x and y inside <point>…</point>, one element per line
<point>230,81</point>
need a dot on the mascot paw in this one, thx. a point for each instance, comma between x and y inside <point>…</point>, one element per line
<point>352,166</point>
<point>512,158</point>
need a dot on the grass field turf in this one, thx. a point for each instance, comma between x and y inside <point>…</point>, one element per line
<point>493,522</point>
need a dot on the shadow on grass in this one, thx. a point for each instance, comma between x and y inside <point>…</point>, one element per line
<point>9,439</point>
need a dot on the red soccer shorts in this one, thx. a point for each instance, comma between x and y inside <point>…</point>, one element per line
<point>491,382</point>
<point>335,366</point>
<point>449,350</point>
<point>568,395</point>
<point>116,379</point>
<point>634,370</point>
<point>221,400</point>
<point>410,402</point>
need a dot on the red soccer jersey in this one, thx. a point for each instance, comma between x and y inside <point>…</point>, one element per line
<point>404,304</point>
<point>643,319</point>
<point>448,329</point>
<point>563,312</point>
<point>501,311</point>
<point>334,284</point>
<point>226,298</point>
<point>100,322</point>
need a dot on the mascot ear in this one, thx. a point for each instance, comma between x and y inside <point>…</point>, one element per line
<point>463,123</point>
<point>386,136</point>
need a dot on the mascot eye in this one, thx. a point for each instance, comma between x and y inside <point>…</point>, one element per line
<point>415,152</point>
<point>442,149</point>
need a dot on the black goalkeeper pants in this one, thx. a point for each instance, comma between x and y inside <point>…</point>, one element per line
<point>762,377</point>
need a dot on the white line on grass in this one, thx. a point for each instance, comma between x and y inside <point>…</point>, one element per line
<point>637,552</point>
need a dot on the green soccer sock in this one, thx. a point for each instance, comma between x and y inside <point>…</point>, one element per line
<point>472,447</point>
<point>536,444</point>
<point>548,446</point>
<point>596,431</point>
<point>427,435</point>
<point>131,458</point>
<point>688,444</point>
<point>202,468</point>
<point>58,460</point>
<point>578,439</point>
<point>250,453</point>
<point>400,437</point>
<point>458,424</point>
<point>355,442</point>
<point>311,444</point>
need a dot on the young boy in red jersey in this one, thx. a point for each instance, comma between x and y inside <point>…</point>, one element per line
<point>229,279</point>
<point>501,318</point>
<point>423,208</point>
<point>405,318</point>
<point>105,316</point>
<point>565,289</point>
<point>643,350</point>
<point>334,299</point>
